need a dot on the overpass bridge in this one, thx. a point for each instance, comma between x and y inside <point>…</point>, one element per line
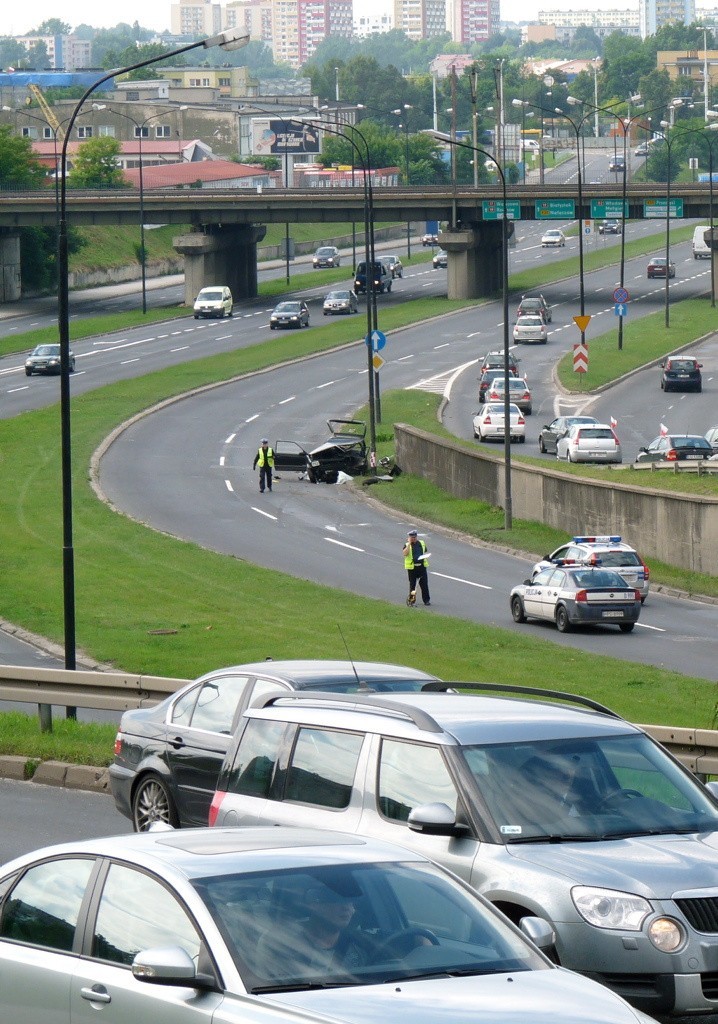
<point>226,225</point>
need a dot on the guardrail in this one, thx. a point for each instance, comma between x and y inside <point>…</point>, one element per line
<point>697,749</point>
<point>699,466</point>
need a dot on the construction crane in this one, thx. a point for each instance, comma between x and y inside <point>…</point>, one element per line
<point>47,110</point>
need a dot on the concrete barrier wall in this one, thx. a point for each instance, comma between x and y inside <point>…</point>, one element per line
<point>677,529</point>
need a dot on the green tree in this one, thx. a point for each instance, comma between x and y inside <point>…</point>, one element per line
<point>52,27</point>
<point>626,60</point>
<point>19,167</point>
<point>95,165</point>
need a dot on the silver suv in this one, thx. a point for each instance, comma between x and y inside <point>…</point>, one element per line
<point>550,806</point>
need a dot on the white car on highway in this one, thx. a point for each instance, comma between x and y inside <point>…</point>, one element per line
<point>554,237</point>
<point>489,423</point>
<point>531,328</point>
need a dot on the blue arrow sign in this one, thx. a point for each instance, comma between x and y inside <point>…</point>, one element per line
<point>377,340</point>
<point>620,309</point>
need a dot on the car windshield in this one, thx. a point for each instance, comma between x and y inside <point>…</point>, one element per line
<point>598,578</point>
<point>530,321</point>
<point>690,442</point>
<point>588,789</point>
<point>210,295</point>
<point>594,432</point>
<point>682,364</point>
<point>619,558</point>
<point>325,251</point>
<point>394,921</point>
<point>338,295</point>
<point>287,307</point>
<point>46,350</point>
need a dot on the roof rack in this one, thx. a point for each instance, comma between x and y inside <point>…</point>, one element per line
<point>371,702</point>
<point>422,719</point>
<point>439,686</point>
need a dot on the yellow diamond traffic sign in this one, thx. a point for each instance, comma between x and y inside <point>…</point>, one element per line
<point>377,362</point>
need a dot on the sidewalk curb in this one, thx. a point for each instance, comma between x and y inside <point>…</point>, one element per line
<point>55,773</point>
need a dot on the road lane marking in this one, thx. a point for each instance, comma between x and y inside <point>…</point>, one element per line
<point>228,485</point>
<point>341,544</point>
<point>263,513</point>
<point>656,629</point>
<point>458,579</point>
<point>180,348</point>
<point>230,438</point>
<point>285,400</point>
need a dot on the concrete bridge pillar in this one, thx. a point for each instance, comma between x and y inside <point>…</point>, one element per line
<point>10,277</point>
<point>226,254</point>
<point>474,266</point>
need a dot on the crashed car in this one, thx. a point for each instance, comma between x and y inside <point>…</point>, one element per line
<point>343,451</point>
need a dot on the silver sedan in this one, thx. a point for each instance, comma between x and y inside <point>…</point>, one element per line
<point>265,926</point>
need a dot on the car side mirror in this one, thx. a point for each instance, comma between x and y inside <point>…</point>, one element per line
<point>539,932</point>
<point>169,965</point>
<point>643,449</point>
<point>528,582</point>
<point>662,365</point>
<point>434,820</point>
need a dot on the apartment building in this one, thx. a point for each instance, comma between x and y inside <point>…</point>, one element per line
<point>472,21</point>
<point>420,19</point>
<point>195,18</point>
<point>653,14</point>
<point>67,53</point>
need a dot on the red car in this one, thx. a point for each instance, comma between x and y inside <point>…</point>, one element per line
<point>658,266</point>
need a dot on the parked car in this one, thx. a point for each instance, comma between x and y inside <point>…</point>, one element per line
<point>168,757</point>
<point>554,237</point>
<point>342,300</point>
<point>326,256</point>
<point>608,551</point>
<point>657,267</point>
<point>617,164</point>
<point>46,359</point>
<point>519,393</point>
<point>552,432</point>
<point>577,596</point>
<point>495,361</point>
<point>381,278</point>
<point>440,259</point>
<point>675,448</point>
<point>394,265</point>
<point>215,301</point>
<point>534,304</point>
<point>593,442</point>
<point>429,239</point>
<point>642,149</point>
<point>489,423</point>
<point>610,227</point>
<point>681,373</point>
<point>292,313</point>
<point>531,328</point>
<point>545,803</point>
<point>269,925</point>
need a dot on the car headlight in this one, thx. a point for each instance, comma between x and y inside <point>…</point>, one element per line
<point>666,934</point>
<point>609,908</point>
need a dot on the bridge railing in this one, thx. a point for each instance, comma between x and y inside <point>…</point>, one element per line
<point>697,749</point>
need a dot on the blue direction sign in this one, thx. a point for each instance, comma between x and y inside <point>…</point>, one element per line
<point>377,340</point>
<point>555,209</point>
<point>620,309</point>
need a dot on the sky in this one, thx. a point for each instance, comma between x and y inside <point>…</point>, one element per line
<point>155,14</point>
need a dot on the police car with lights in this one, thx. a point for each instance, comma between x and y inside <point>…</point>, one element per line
<point>577,595</point>
<point>609,551</point>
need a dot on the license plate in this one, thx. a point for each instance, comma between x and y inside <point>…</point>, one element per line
<point>612,615</point>
<point>694,456</point>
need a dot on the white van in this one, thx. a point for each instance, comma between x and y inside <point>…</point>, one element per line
<point>215,300</point>
<point>701,251</point>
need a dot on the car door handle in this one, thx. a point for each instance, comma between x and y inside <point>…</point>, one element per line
<point>176,742</point>
<point>96,994</point>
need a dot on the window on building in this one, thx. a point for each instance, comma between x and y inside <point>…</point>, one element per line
<point>84,131</point>
<point>106,131</point>
<point>142,132</point>
<point>163,131</point>
<point>47,133</point>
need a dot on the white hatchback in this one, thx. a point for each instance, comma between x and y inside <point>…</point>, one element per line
<point>592,442</point>
<point>554,237</point>
<point>489,423</point>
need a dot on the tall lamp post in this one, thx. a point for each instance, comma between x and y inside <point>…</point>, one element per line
<point>508,502</point>
<point>229,40</point>
<point>139,135</point>
<point>405,108</point>
<point>669,140</point>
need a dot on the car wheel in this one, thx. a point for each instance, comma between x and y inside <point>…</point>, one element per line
<point>152,802</point>
<point>626,627</point>
<point>272,327</point>
<point>517,609</point>
<point>529,411</point>
<point>522,440</point>
<point>563,624</point>
<point>568,457</point>
<point>542,446</point>
<point>389,287</point>
<point>28,373</point>
<point>196,316</point>
<point>72,366</point>
<point>699,388</point>
<point>231,312</point>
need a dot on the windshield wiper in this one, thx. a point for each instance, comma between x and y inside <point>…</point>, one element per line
<point>553,838</point>
<point>305,986</point>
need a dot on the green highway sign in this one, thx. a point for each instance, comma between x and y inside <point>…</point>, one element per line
<point>555,209</point>
<point>657,208</point>
<point>493,209</point>
<point>608,209</point>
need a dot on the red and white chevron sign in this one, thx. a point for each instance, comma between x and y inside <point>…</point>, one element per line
<point>580,358</point>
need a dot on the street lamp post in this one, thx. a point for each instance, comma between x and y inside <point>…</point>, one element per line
<point>508,502</point>
<point>405,108</point>
<point>231,39</point>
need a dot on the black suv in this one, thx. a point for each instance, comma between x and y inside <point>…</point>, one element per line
<point>610,227</point>
<point>680,373</point>
<point>382,278</point>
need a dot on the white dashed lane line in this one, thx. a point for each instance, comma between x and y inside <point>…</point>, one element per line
<point>458,579</point>
<point>267,515</point>
<point>341,544</point>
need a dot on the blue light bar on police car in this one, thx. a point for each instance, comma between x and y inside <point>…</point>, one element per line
<point>596,540</point>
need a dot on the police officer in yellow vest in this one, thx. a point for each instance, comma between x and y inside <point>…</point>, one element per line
<point>415,564</point>
<point>265,460</point>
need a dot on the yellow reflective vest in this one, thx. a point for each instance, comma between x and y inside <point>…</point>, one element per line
<point>267,455</point>
<point>409,557</point>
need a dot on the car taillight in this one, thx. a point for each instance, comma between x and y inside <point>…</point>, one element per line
<point>487,419</point>
<point>521,420</point>
<point>118,744</point>
<point>581,595</point>
<point>637,595</point>
<point>526,394</point>
<point>214,808</point>
<point>671,455</point>
<point>646,570</point>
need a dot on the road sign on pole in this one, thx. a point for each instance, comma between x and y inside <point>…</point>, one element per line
<point>620,295</point>
<point>582,322</point>
<point>377,340</point>
<point>620,309</point>
<point>377,362</point>
<point>580,358</point>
